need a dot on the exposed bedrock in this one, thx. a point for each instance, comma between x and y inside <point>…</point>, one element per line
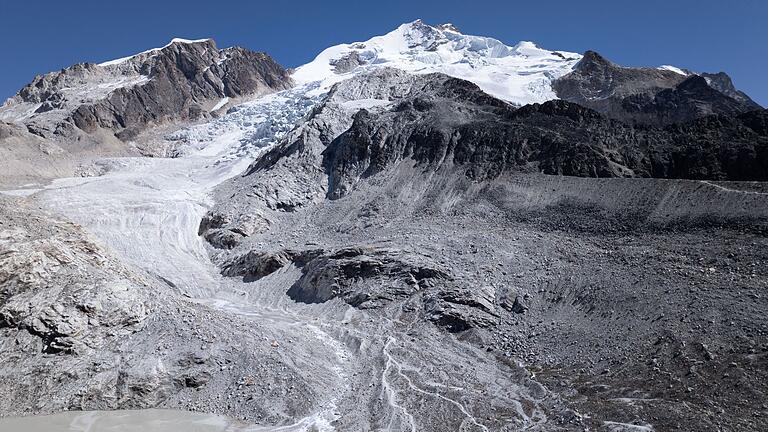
<point>179,82</point>
<point>181,79</point>
<point>650,96</point>
<point>372,278</point>
<point>486,138</point>
<point>445,125</point>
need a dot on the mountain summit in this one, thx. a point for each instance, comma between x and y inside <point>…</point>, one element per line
<point>520,74</point>
<point>183,80</point>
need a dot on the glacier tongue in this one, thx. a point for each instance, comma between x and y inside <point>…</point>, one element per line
<point>520,74</point>
<point>148,209</point>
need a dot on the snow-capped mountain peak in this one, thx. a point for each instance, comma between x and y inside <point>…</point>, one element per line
<point>449,27</point>
<point>520,74</point>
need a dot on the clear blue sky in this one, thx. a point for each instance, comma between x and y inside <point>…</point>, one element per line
<point>705,35</point>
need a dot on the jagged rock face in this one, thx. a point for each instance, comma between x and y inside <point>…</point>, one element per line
<point>291,174</point>
<point>357,275</point>
<point>649,96</point>
<point>347,63</point>
<point>440,122</point>
<point>58,286</point>
<point>181,81</point>
<point>722,82</point>
<point>373,278</point>
<point>450,122</point>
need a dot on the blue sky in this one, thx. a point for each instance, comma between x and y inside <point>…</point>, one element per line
<point>705,35</point>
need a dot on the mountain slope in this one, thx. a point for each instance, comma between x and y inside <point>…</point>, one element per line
<point>416,200</point>
<point>649,96</point>
<point>438,121</point>
<point>370,125</point>
<point>451,122</point>
<point>184,80</point>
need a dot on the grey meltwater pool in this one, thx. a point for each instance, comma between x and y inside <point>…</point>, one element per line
<point>151,420</point>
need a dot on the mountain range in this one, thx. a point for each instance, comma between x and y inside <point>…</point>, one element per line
<point>426,230</point>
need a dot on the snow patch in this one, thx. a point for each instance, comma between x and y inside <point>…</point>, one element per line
<point>103,89</point>
<point>15,110</point>
<point>674,69</point>
<point>19,192</point>
<point>627,427</point>
<point>221,103</point>
<point>18,112</point>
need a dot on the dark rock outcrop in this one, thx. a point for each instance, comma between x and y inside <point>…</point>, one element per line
<point>347,63</point>
<point>372,278</point>
<point>177,82</point>
<point>255,265</point>
<point>364,277</point>
<point>649,96</point>
<point>451,123</point>
<point>722,82</point>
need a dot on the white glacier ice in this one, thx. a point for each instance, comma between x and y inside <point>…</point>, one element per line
<point>220,104</point>
<point>674,69</point>
<point>520,74</point>
<point>148,209</point>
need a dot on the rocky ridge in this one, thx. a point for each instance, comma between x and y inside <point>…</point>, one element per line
<point>183,81</point>
<point>649,96</point>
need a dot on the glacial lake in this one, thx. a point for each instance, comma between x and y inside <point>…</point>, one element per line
<point>151,420</point>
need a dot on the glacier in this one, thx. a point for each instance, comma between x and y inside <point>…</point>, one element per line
<point>520,74</point>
